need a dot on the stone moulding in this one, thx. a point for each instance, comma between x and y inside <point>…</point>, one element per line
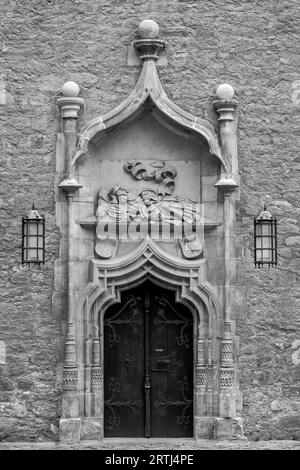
<point>107,280</point>
<point>150,261</point>
<point>91,222</point>
<point>148,88</point>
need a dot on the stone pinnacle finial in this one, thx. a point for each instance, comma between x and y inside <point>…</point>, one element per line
<point>225,92</point>
<point>148,29</point>
<point>148,47</point>
<point>70,89</point>
<point>70,103</point>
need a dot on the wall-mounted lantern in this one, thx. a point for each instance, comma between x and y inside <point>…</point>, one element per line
<point>265,239</point>
<point>33,238</point>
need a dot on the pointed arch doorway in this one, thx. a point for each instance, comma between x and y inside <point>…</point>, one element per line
<point>148,365</point>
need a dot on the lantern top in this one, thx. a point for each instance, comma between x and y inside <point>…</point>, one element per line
<point>33,213</point>
<point>264,214</point>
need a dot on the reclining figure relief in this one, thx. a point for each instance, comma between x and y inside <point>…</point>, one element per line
<point>164,218</point>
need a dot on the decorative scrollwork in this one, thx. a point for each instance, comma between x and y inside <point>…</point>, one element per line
<point>157,170</point>
<point>112,403</point>
<point>182,339</point>
<point>127,361</point>
<point>163,404</point>
<point>132,321</point>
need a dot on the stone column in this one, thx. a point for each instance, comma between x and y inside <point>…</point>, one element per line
<point>225,106</point>
<point>203,385</point>
<point>227,373</point>
<point>70,105</point>
<point>96,378</point>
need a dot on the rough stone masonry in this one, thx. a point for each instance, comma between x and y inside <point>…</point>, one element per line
<point>250,44</point>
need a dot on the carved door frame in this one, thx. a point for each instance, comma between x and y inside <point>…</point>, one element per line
<point>101,316</point>
<point>216,386</point>
<point>194,332</point>
<point>108,278</point>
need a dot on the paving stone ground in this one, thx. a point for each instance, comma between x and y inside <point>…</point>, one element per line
<point>152,444</point>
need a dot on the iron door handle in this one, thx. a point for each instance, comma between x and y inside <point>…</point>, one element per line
<point>163,361</point>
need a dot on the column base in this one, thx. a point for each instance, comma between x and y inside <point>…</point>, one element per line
<point>204,427</point>
<point>229,429</point>
<point>69,430</point>
<point>70,404</point>
<point>91,429</point>
<point>73,430</point>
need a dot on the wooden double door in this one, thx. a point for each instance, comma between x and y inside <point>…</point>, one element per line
<point>148,365</point>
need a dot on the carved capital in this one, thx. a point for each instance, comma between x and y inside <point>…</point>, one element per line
<point>228,185</point>
<point>149,48</point>
<point>70,106</point>
<point>225,109</point>
<point>69,186</point>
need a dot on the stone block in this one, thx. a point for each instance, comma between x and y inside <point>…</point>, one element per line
<point>223,429</point>
<point>290,421</point>
<point>227,405</point>
<point>91,429</point>
<point>69,430</point>
<point>70,407</point>
<point>204,427</point>
<point>292,241</point>
<point>228,429</point>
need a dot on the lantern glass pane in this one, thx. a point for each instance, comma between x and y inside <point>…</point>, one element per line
<point>33,243</point>
<point>40,229</point>
<point>265,244</point>
<point>266,229</point>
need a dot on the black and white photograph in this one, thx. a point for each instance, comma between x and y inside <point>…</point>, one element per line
<point>149,228</point>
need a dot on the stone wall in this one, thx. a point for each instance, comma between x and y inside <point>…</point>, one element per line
<point>247,43</point>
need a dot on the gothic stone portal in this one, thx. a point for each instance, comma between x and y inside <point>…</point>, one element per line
<point>145,162</point>
<point>148,366</point>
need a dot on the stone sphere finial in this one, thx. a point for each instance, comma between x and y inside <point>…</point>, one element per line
<point>70,89</point>
<point>225,92</point>
<point>148,29</point>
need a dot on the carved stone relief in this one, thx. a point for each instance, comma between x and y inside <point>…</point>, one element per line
<point>124,215</point>
<point>157,170</point>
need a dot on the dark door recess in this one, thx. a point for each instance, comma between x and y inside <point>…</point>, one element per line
<point>148,366</point>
